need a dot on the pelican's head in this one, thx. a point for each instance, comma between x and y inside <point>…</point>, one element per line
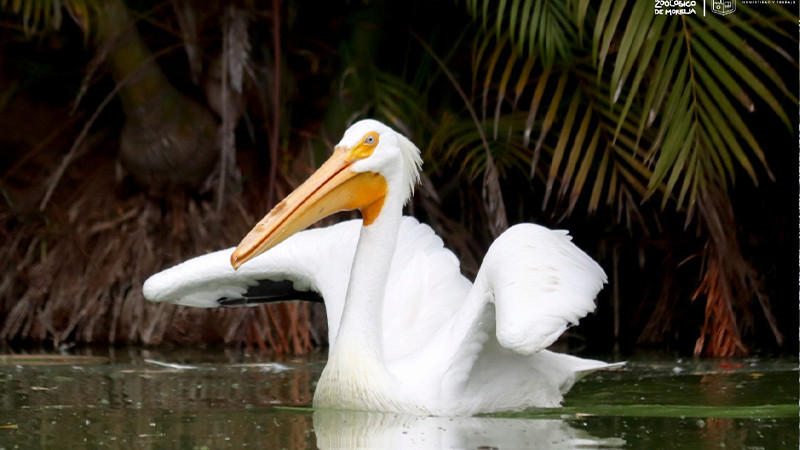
<point>371,163</point>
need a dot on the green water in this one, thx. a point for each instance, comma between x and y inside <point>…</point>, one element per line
<point>217,399</point>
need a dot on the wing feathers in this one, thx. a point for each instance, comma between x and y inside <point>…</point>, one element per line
<point>312,261</point>
<point>269,291</point>
<point>540,283</point>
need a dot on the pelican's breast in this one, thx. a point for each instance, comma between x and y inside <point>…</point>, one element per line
<point>352,381</point>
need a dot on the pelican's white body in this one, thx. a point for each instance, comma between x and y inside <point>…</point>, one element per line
<point>426,298</point>
<point>408,333</point>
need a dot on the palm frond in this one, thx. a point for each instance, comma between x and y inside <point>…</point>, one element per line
<point>40,15</point>
<point>545,28</point>
<point>700,91</point>
<point>647,108</point>
<point>383,95</point>
<point>457,141</point>
<point>35,15</point>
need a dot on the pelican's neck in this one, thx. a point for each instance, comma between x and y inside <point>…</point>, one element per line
<point>361,327</point>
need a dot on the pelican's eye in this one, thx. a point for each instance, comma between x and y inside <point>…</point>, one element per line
<point>365,147</point>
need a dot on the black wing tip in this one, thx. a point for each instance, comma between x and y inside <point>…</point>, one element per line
<point>270,291</point>
<point>225,302</point>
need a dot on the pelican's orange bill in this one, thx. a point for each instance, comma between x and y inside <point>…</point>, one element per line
<point>332,188</point>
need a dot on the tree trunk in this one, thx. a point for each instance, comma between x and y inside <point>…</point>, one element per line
<point>168,140</point>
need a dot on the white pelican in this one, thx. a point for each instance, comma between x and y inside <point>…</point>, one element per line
<point>408,333</point>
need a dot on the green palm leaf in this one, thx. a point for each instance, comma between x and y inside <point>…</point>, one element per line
<point>545,28</point>
<point>687,126</point>
<point>38,15</point>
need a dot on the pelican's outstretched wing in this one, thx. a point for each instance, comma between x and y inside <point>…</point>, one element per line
<point>312,265</point>
<point>533,284</point>
<point>540,283</point>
